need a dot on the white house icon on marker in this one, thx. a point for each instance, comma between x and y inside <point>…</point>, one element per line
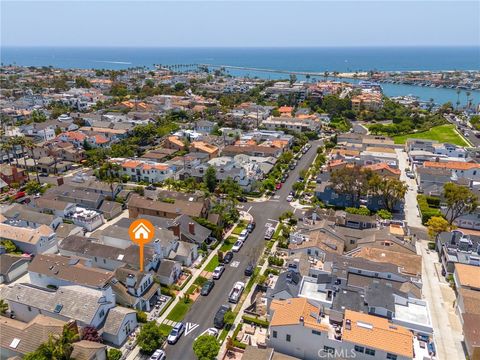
<point>141,232</point>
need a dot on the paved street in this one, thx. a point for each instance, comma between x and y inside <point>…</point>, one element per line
<point>204,309</point>
<point>439,295</point>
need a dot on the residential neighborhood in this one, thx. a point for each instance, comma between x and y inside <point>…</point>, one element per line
<point>292,219</point>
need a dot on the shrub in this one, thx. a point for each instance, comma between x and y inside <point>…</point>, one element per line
<point>358,211</point>
<point>384,214</point>
<point>114,354</point>
<point>425,210</point>
<point>150,337</point>
<point>254,320</point>
<point>274,260</point>
<point>141,316</point>
<point>431,245</point>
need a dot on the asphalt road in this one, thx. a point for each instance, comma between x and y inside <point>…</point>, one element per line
<point>204,309</point>
<point>466,131</point>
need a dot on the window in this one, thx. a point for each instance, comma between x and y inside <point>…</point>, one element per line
<point>274,334</point>
<point>352,242</point>
<point>391,356</point>
<point>102,312</point>
<point>370,352</point>
<point>29,308</point>
<point>289,337</point>
<point>329,350</point>
<point>359,349</point>
<point>316,332</point>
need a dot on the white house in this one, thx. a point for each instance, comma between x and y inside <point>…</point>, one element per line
<point>32,241</point>
<point>120,323</point>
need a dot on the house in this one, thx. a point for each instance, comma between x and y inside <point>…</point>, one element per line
<point>109,257</point>
<point>12,175</point>
<point>468,302</point>
<point>135,289</point>
<point>110,209</point>
<point>173,142</point>
<point>82,197</point>
<point>293,124</point>
<point>31,241</point>
<point>26,216</point>
<point>459,169</point>
<point>408,264</point>
<point>21,338</point>
<point>144,170</point>
<point>204,126</point>
<point>87,306</point>
<point>120,323</point>
<point>467,277</point>
<point>252,150</point>
<point>12,267</point>
<point>457,247</point>
<point>315,243</point>
<point>168,272</point>
<point>471,329</point>
<point>48,270</point>
<point>286,286</point>
<point>203,147</point>
<point>362,336</point>
<point>138,206</point>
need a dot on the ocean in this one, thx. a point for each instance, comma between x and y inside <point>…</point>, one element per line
<point>290,59</point>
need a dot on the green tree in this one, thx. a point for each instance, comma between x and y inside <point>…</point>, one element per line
<point>114,354</point>
<point>460,200</point>
<point>82,82</point>
<point>141,316</point>
<point>436,225</point>
<point>350,181</point>
<point>384,214</point>
<point>38,116</point>
<point>3,307</point>
<point>9,246</point>
<point>150,337</point>
<point>390,190</point>
<point>228,319</point>
<point>33,187</point>
<point>109,172</point>
<point>210,178</point>
<point>206,347</point>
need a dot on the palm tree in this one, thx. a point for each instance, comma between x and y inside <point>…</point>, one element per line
<point>468,93</point>
<point>14,141</point>
<point>6,147</point>
<point>30,145</point>
<point>109,173</point>
<point>21,142</point>
<point>458,97</point>
<point>3,307</point>
<point>64,347</point>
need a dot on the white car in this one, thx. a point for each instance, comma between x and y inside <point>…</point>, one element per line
<point>243,235</point>
<point>210,331</point>
<point>289,198</point>
<point>217,273</point>
<point>236,247</point>
<point>158,355</point>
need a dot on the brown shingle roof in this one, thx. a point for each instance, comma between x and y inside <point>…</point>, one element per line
<point>468,275</point>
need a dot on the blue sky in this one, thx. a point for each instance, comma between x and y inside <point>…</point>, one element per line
<point>240,23</point>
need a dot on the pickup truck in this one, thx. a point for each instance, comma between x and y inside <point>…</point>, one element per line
<point>236,292</point>
<point>269,233</point>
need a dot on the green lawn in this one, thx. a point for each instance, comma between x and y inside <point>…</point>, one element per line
<point>165,329</point>
<point>226,246</point>
<point>179,311</point>
<point>442,133</point>
<point>239,228</point>
<point>212,264</point>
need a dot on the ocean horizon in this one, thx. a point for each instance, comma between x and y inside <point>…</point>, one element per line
<point>302,59</point>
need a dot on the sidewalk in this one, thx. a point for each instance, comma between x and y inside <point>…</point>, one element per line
<point>195,273</point>
<point>245,304</point>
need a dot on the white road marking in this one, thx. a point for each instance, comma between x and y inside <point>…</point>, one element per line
<point>235,264</point>
<point>189,327</point>
<point>250,208</point>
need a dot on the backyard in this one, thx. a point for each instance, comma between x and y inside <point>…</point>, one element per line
<point>441,133</point>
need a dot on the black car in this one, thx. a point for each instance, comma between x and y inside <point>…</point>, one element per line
<point>242,198</point>
<point>249,270</point>
<point>251,226</point>
<point>150,187</point>
<point>218,321</point>
<point>228,257</point>
<point>207,287</point>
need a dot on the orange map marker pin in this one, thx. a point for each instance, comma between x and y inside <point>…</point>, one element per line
<point>141,232</point>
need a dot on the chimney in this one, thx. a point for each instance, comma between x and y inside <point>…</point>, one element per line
<point>191,228</point>
<point>176,230</point>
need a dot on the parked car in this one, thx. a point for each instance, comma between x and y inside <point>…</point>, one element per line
<point>210,332</point>
<point>176,333</point>
<point>243,235</point>
<point>410,174</point>
<point>237,246</point>
<point>158,355</point>
<point>236,292</point>
<point>289,198</point>
<point>278,186</point>
<point>251,226</point>
<point>207,287</point>
<point>150,187</point>
<point>218,271</point>
<point>242,198</point>
<point>228,257</point>
<point>249,270</point>
<point>218,321</point>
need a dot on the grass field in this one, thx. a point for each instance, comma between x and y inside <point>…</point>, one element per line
<point>179,311</point>
<point>165,329</point>
<point>442,133</point>
<point>212,264</point>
